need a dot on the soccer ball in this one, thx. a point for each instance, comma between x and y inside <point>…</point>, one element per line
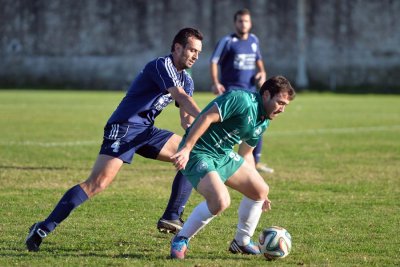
<point>275,242</point>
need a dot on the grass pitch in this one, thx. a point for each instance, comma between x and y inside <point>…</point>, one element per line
<point>336,186</point>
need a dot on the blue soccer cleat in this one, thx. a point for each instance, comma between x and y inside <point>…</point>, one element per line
<point>179,247</point>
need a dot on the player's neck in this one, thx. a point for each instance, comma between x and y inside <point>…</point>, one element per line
<point>242,36</point>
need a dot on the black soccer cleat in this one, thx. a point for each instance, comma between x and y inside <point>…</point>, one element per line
<point>35,237</point>
<point>170,226</point>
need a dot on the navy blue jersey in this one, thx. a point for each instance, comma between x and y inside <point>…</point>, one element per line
<point>237,60</point>
<point>148,96</point>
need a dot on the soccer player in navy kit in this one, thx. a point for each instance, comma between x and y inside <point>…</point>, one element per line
<point>130,129</point>
<point>241,66</point>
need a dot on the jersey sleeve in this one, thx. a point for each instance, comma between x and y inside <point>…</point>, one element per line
<point>258,51</point>
<point>220,50</point>
<point>258,132</point>
<point>188,87</point>
<point>165,75</point>
<point>252,141</point>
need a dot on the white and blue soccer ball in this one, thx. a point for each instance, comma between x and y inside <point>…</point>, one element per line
<point>275,243</point>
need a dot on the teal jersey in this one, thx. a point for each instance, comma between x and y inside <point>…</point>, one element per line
<point>242,119</point>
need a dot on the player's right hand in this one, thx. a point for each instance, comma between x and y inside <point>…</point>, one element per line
<point>181,158</point>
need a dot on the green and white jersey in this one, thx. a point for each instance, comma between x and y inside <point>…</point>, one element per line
<point>242,119</point>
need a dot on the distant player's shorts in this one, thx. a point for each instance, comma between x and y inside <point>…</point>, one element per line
<point>124,140</point>
<point>201,164</point>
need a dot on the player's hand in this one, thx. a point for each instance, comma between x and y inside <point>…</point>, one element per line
<point>181,158</point>
<point>218,89</point>
<point>260,78</point>
<point>266,205</point>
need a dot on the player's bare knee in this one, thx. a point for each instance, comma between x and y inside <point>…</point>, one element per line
<point>261,192</point>
<point>218,205</point>
<point>222,204</point>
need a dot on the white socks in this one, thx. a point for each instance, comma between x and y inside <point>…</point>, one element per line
<point>197,220</point>
<point>249,215</point>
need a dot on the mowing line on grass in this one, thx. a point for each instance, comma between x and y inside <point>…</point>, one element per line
<point>296,132</point>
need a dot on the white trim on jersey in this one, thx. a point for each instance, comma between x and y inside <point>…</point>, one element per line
<point>220,47</point>
<point>171,70</point>
<point>219,111</point>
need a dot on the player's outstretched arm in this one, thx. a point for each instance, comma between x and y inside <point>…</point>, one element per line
<point>186,119</point>
<point>204,121</point>
<point>216,87</point>
<point>184,100</point>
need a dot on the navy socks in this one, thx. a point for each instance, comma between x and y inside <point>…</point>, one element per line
<point>181,190</point>
<point>71,199</point>
<point>257,150</point>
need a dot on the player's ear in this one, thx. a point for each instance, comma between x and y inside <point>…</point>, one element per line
<point>177,47</point>
<point>266,95</point>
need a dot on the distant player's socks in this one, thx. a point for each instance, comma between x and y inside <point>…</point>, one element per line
<point>257,150</point>
<point>197,220</point>
<point>181,190</point>
<point>71,199</point>
<point>249,215</point>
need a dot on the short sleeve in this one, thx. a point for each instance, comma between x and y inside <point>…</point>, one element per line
<point>165,74</point>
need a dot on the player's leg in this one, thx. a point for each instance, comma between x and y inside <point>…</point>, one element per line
<point>249,182</point>
<point>217,199</point>
<point>117,147</point>
<point>103,172</point>
<point>168,146</point>
<point>171,221</point>
<point>257,151</point>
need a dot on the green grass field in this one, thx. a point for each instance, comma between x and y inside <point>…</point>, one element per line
<point>336,186</point>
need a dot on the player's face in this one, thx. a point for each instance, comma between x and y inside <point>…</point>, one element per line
<point>187,56</point>
<point>275,105</point>
<point>243,24</point>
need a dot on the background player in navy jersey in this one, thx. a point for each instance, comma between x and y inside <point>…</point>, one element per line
<point>130,129</point>
<point>241,66</point>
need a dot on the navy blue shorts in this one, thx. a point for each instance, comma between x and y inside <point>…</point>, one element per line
<point>124,140</point>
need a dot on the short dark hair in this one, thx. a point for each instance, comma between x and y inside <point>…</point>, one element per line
<point>241,12</point>
<point>183,35</point>
<point>277,84</point>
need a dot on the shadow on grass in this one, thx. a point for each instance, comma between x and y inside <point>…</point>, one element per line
<point>52,250</point>
<point>33,168</point>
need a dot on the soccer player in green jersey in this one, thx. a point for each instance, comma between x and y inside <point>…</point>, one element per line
<point>207,159</point>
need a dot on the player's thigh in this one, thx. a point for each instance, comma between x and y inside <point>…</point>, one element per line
<point>170,148</point>
<point>212,188</point>
<point>249,182</point>
<point>103,172</point>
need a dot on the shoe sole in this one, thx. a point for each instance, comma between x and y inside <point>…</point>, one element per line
<point>169,228</point>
